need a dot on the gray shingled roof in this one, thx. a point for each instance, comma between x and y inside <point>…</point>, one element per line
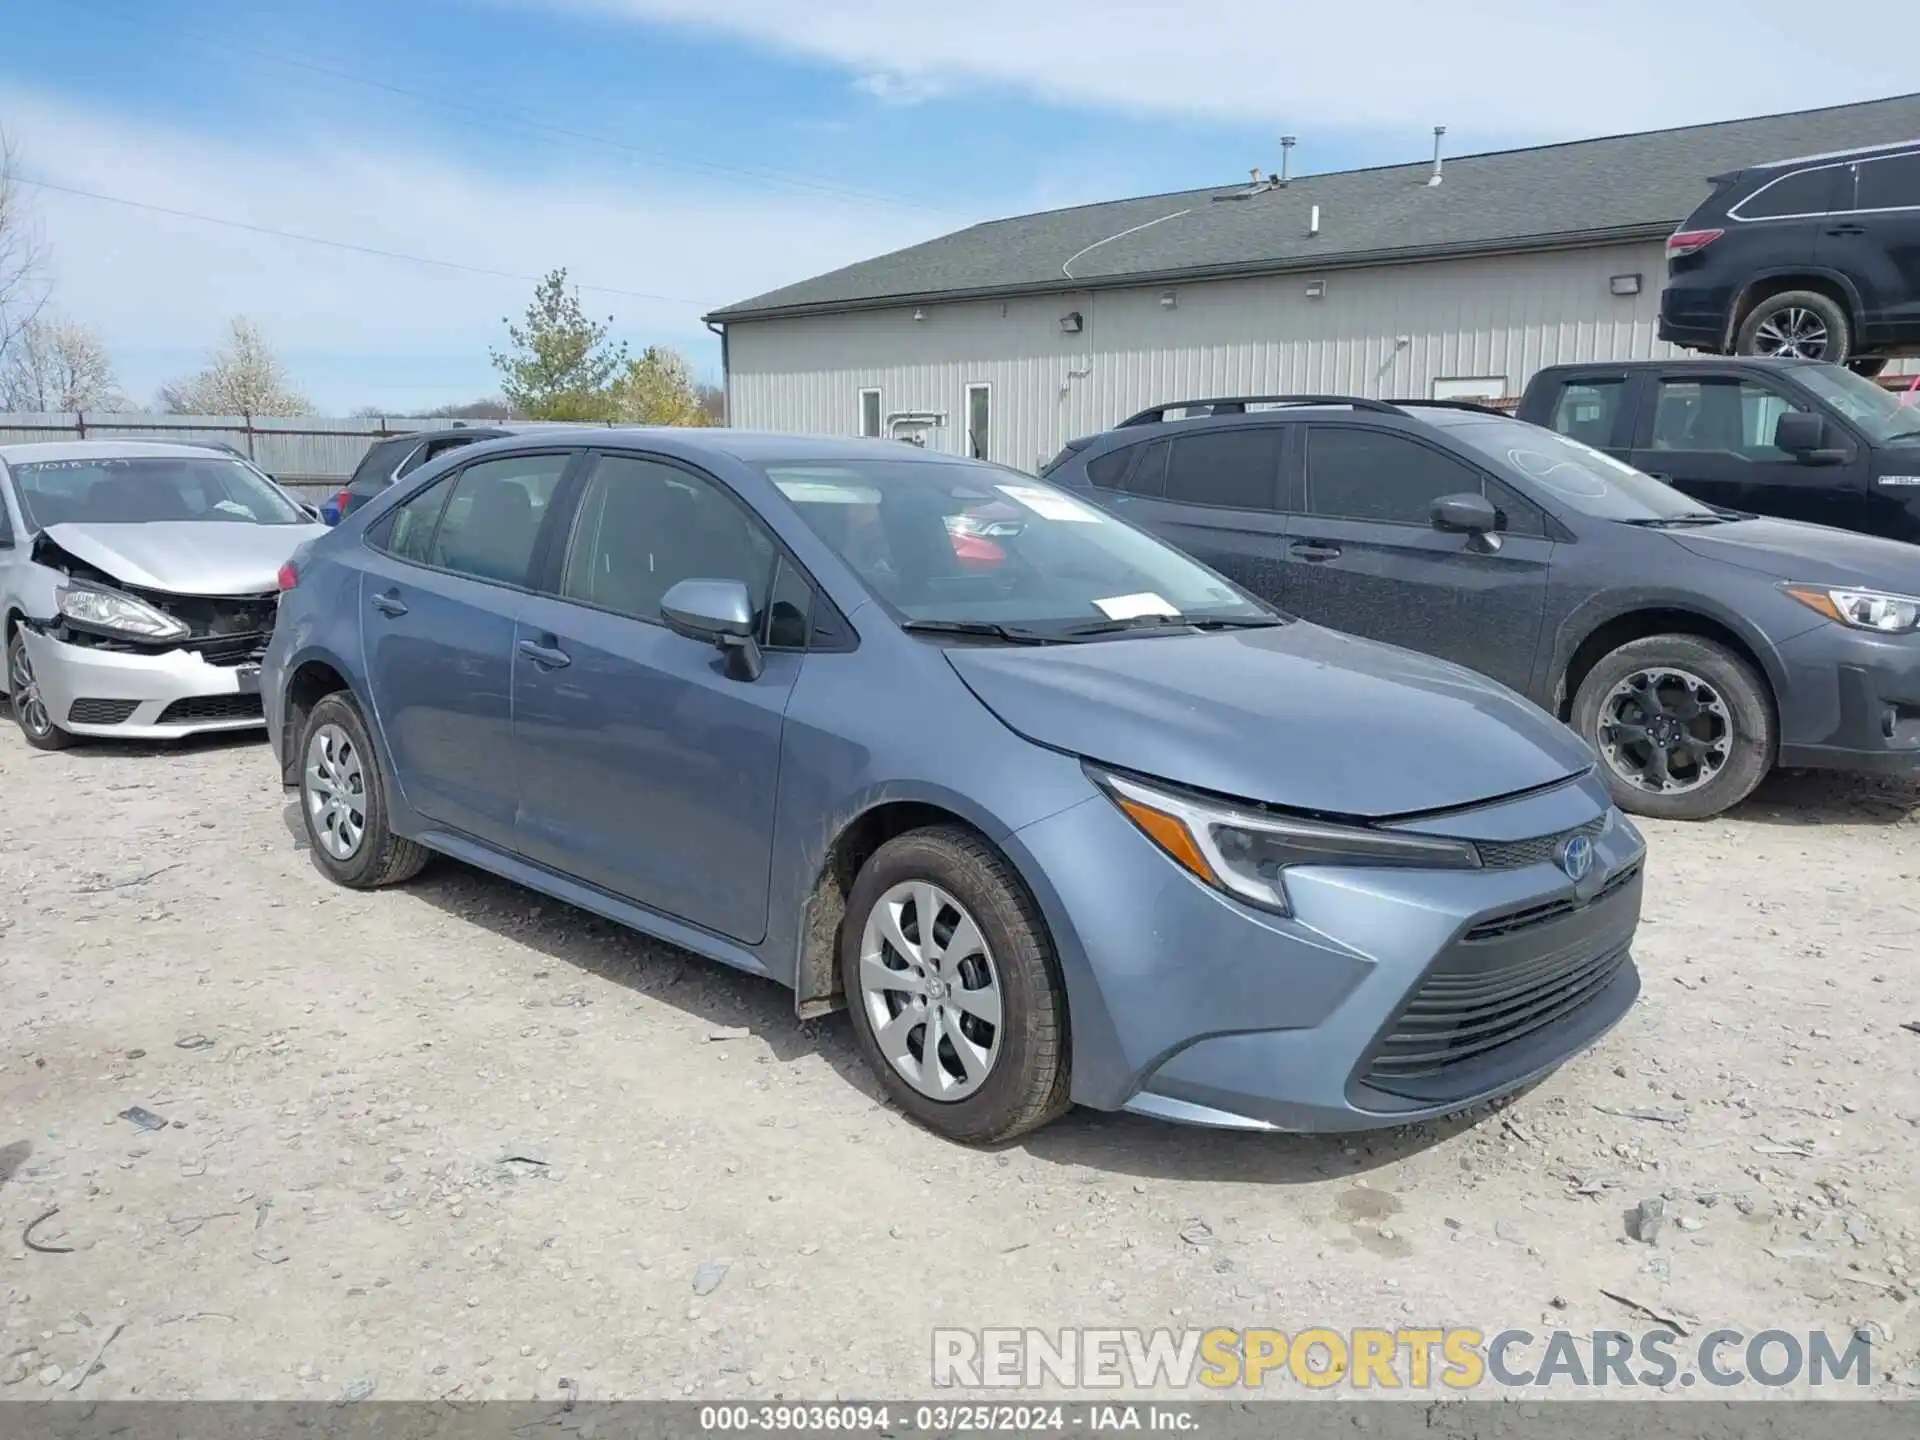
<point>1624,187</point>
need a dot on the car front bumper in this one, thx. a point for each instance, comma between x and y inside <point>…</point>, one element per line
<point>1851,702</point>
<point>125,695</point>
<point>1391,996</point>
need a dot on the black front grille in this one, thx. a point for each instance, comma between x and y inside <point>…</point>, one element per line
<point>100,712</point>
<point>1513,854</point>
<point>1463,1011</point>
<point>230,650</point>
<point>1514,921</point>
<point>211,707</point>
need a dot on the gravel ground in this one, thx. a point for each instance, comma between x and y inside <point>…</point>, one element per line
<point>455,1140</point>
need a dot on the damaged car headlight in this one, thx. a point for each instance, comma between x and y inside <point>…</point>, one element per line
<point>96,608</point>
<point>1246,852</point>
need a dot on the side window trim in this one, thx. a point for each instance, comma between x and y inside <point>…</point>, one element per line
<point>550,567</point>
<point>383,526</point>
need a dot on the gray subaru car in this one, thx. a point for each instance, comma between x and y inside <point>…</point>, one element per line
<point>1057,813</point>
<point>1693,646</point>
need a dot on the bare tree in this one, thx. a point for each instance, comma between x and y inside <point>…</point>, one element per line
<point>23,255</point>
<point>57,366</point>
<point>242,377</point>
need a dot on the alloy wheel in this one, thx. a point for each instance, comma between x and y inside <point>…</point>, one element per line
<point>1794,332</point>
<point>335,783</point>
<point>931,990</point>
<point>29,706</point>
<point>1665,731</point>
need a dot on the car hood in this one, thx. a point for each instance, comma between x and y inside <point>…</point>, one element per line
<point>1816,554</point>
<point>186,557</point>
<point>1295,716</point>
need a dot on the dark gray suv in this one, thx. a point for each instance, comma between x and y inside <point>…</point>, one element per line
<point>1692,647</point>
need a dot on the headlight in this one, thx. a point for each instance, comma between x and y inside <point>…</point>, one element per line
<point>1246,853</point>
<point>1862,609</point>
<point>110,610</point>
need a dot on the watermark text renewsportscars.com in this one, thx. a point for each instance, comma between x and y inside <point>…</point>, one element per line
<point>1441,1358</point>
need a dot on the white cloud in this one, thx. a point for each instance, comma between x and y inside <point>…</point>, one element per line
<point>358,329</point>
<point>1527,67</point>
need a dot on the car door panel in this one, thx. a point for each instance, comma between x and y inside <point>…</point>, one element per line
<point>439,655</point>
<point>645,768</point>
<point>1478,601</point>
<point>1874,240</point>
<point>1215,493</point>
<point>1708,432</point>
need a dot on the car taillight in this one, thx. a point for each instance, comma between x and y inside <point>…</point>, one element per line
<point>1690,242</point>
<point>342,501</point>
<point>289,576</point>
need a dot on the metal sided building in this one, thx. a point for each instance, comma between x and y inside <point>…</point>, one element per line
<point>1438,279</point>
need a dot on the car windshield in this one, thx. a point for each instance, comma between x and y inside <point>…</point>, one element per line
<point>1885,415</point>
<point>1588,480</point>
<point>951,542</point>
<point>136,490</point>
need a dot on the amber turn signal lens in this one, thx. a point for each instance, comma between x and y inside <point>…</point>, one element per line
<point>1170,835</point>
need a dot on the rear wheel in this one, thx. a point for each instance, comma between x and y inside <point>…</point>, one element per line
<point>29,705</point>
<point>954,988</point>
<point>1683,726</point>
<point>1796,324</point>
<point>343,799</point>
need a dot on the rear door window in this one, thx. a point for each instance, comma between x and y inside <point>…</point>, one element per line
<point>1890,184</point>
<point>493,517</point>
<point>1589,410</point>
<point>1236,469</point>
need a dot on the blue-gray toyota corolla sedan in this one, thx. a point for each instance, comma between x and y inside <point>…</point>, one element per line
<point>1059,814</point>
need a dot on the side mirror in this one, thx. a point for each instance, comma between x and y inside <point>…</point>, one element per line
<point>1800,433</point>
<point>720,613</point>
<point>1465,514</point>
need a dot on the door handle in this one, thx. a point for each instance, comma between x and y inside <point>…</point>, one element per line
<point>1846,230</point>
<point>1313,550</point>
<point>548,657</point>
<point>390,603</point>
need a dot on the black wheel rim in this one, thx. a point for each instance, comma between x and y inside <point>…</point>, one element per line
<point>1665,731</point>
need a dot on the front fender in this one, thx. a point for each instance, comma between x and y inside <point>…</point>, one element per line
<point>1590,615</point>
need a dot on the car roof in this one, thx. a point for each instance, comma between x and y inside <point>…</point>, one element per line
<point>36,451</point>
<point>751,446</point>
<point>1764,362</point>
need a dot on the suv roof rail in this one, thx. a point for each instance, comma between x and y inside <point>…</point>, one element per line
<point>1237,405</point>
<point>1482,407</point>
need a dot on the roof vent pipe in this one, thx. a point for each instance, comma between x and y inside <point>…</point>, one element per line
<point>1438,132</point>
<point>1256,177</point>
<point>1286,159</point>
<point>1313,221</point>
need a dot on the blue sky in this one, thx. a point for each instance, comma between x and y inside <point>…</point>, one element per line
<point>677,155</point>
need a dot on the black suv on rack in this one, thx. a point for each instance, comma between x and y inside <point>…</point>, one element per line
<point>1816,258</point>
<point>1693,647</point>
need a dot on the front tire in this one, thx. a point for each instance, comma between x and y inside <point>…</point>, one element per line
<point>1683,726</point>
<point>954,987</point>
<point>29,706</point>
<point>343,800</point>
<point>1800,324</point>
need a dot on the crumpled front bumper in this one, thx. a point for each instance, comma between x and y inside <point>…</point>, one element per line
<point>125,695</point>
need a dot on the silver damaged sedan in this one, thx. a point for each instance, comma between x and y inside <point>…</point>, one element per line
<point>139,584</point>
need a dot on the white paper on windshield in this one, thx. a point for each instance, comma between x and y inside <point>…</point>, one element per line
<point>1050,506</point>
<point>1126,607</point>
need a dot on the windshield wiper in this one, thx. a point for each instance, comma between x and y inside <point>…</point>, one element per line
<point>1691,517</point>
<point>1171,622</point>
<point>988,629</point>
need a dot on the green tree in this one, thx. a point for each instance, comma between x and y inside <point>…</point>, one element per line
<point>558,364</point>
<point>658,389</point>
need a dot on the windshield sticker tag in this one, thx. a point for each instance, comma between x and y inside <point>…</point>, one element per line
<point>1048,505</point>
<point>1900,480</point>
<point>1126,607</point>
